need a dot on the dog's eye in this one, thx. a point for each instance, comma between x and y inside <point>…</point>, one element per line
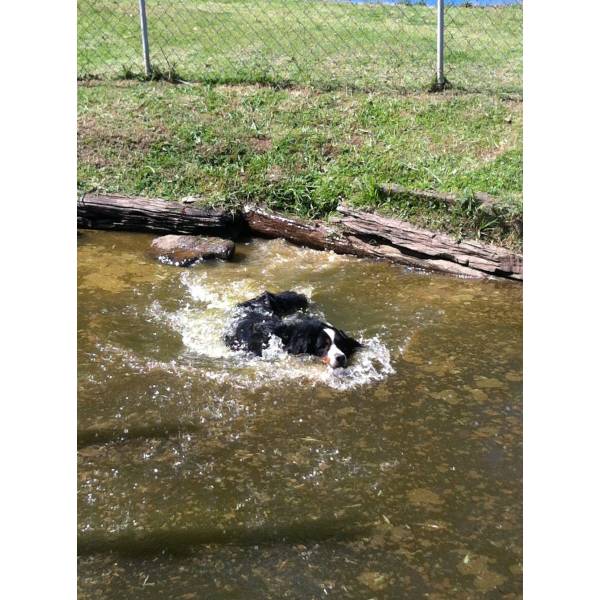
<point>323,342</point>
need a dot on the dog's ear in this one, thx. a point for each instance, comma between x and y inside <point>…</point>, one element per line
<point>356,343</point>
<point>298,344</point>
<point>349,344</point>
<point>296,338</point>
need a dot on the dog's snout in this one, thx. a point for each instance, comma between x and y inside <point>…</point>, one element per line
<point>339,361</point>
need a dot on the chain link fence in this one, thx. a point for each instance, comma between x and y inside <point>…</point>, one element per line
<point>358,44</point>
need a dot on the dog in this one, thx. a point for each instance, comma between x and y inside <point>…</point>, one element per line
<point>263,317</point>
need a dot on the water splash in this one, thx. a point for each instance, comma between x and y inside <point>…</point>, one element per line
<point>203,322</point>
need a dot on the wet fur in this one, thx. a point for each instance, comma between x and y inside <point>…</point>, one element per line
<point>262,317</point>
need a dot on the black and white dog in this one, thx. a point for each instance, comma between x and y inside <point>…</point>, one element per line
<point>263,317</point>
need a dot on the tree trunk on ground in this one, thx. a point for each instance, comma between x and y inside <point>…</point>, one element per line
<point>354,232</point>
<point>370,235</point>
<point>431,246</point>
<point>154,216</point>
<point>314,234</point>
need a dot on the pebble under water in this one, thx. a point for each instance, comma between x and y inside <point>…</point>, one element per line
<point>205,473</point>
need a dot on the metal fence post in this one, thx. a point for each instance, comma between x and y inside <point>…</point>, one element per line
<point>440,79</point>
<point>145,47</point>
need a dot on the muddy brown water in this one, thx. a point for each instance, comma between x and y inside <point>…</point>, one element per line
<point>209,474</point>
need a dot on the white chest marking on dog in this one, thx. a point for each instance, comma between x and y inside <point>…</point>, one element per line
<point>334,352</point>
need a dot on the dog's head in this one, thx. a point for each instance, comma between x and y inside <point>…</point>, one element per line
<point>310,336</point>
<point>337,348</point>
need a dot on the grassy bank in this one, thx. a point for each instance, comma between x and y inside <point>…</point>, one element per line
<point>318,42</point>
<point>302,151</point>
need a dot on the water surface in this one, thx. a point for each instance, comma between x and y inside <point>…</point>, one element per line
<point>210,474</point>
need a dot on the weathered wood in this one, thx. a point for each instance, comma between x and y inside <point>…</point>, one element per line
<point>314,234</point>
<point>324,236</point>
<point>369,235</point>
<point>433,246</point>
<point>354,232</point>
<point>155,216</point>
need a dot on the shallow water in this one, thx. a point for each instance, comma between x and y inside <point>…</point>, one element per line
<point>210,474</point>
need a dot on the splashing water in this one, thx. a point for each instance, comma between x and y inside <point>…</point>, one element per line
<point>203,322</point>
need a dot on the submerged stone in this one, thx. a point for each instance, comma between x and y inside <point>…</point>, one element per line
<point>185,250</point>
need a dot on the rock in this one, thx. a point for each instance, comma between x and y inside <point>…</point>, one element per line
<point>185,250</point>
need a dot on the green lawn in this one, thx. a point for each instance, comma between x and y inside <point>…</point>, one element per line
<point>321,43</point>
<point>299,104</point>
<point>303,150</point>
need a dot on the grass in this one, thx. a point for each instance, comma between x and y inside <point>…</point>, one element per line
<point>321,43</point>
<point>302,150</point>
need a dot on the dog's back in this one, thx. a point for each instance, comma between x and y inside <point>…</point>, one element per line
<point>279,305</point>
<point>252,332</point>
<point>261,318</point>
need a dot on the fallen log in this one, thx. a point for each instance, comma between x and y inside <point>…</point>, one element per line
<point>355,232</point>
<point>155,216</point>
<point>313,234</point>
<point>370,235</point>
<point>432,246</point>
<point>322,236</point>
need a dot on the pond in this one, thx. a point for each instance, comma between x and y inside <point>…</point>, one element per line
<point>204,473</point>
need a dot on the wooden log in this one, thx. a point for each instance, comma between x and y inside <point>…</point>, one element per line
<point>155,216</point>
<point>313,234</point>
<point>368,235</point>
<point>354,232</point>
<point>432,246</point>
